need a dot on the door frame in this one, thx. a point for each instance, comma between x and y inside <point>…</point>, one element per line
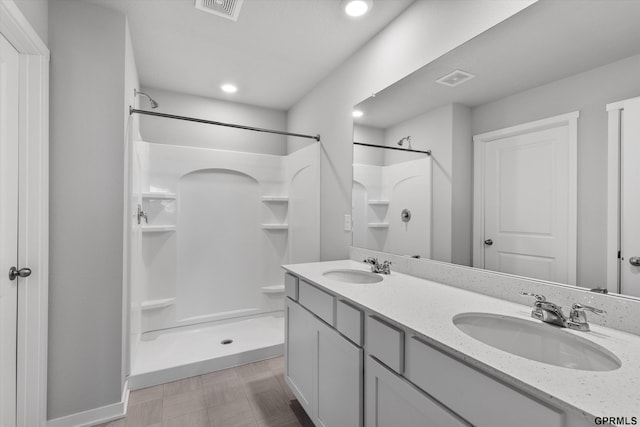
<point>614,134</point>
<point>479,146</point>
<point>33,230</point>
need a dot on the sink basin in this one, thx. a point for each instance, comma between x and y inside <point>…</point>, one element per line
<point>353,276</point>
<point>536,341</point>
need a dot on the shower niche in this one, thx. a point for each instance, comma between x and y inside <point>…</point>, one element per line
<point>220,224</point>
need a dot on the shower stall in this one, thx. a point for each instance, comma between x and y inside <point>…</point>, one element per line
<point>209,232</point>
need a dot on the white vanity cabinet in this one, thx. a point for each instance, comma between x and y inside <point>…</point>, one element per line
<point>323,369</point>
<point>392,401</point>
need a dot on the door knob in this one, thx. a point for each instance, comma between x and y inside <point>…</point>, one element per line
<point>635,261</point>
<point>15,273</point>
<point>488,242</point>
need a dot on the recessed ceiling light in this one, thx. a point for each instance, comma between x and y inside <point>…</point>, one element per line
<point>357,113</point>
<point>355,8</point>
<point>229,88</point>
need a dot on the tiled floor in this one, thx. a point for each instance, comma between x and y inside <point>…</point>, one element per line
<point>252,395</point>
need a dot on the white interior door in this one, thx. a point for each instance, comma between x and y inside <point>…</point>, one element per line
<point>527,199</point>
<point>630,199</point>
<point>9,68</point>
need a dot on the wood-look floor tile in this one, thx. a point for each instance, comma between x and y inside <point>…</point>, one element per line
<point>276,364</point>
<point>193,419</point>
<point>269,403</point>
<point>144,414</point>
<point>219,376</point>
<point>146,394</point>
<point>183,403</point>
<point>254,371</point>
<point>223,392</point>
<point>233,414</point>
<point>285,387</point>
<point>182,386</point>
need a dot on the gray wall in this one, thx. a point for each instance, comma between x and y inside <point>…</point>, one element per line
<point>36,12</point>
<point>176,132</point>
<point>425,31</point>
<point>87,44</point>
<point>587,92</point>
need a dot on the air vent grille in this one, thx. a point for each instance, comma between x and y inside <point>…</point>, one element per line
<point>455,78</point>
<point>229,9</point>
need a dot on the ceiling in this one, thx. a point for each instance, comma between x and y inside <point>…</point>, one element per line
<point>545,42</point>
<point>277,51</point>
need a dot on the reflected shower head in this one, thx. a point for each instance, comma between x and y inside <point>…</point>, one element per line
<point>406,138</point>
<point>154,104</point>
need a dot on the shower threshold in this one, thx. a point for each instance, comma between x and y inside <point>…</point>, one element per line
<point>185,352</point>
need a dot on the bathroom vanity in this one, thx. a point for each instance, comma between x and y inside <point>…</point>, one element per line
<point>363,351</point>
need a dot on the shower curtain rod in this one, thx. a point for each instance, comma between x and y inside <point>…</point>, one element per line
<point>428,152</point>
<point>211,122</point>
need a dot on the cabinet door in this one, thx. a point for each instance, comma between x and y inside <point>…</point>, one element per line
<point>300,335</point>
<point>391,401</point>
<point>339,386</point>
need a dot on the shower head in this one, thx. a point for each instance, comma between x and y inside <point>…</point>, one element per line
<point>407,139</point>
<point>154,104</point>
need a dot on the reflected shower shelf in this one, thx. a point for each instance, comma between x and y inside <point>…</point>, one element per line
<point>157,228</point>
<point>159,196</point>
<point>275,199</point>
<point>378,225</point>
<point>157,303</point>
<point>379,202</point>
<point>275,226</point>
<point>275,289</point>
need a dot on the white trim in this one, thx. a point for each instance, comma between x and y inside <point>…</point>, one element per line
<point>613,196</point>
<point>95,416</point>
<point>571,121</point>
<point>34,214</point>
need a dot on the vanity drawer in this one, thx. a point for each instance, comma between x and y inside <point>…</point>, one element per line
<point>478,398</point>
<point>291,286</point>
<point>349,321</point>
<point>386,343</point>
<point>319,302</point>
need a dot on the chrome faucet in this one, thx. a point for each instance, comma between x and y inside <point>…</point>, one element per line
<point>549,312</point>
<point>376,267</point>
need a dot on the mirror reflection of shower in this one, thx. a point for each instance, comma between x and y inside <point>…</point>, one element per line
<point>152,101</point>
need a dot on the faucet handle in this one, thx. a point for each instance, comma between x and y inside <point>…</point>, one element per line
<point>578,306</point>
<point>539,298</point>
<point>371,260</point>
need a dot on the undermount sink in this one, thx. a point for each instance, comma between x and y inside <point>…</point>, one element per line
<point>536,341</point>
<point>353,276</point>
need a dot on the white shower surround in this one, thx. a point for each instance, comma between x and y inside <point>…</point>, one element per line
<point>380,194</point>
<point>261,209</point>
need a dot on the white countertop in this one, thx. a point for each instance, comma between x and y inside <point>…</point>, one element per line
<point>428,308</point>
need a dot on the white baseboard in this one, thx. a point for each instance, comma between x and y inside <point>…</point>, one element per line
<point>95,416</point>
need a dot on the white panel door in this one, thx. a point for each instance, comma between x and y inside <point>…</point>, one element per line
<point>630,199</point>
<point>8,229</point>
<point>527,204</point>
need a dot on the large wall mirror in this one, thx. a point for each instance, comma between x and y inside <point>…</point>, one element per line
<point>495,155</point>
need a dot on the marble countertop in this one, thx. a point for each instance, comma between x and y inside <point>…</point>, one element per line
<point>427,308</point>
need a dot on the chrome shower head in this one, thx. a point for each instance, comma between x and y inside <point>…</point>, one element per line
<point>406,138</point>
<point>153,102</point>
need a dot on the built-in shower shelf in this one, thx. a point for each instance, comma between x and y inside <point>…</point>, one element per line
<point>159,196</point>
<point>275,289</point>
<point>157,303</point>
<point>275,226</point>
<point>379,202</point>
<point>158,228</point>
<point>378,225</point>
<point>275,199</point>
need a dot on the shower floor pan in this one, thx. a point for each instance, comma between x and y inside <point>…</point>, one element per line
<point>185,352</point>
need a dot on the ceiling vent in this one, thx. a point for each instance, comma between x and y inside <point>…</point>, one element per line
<point>455,78</point>
<point>229,9</point>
